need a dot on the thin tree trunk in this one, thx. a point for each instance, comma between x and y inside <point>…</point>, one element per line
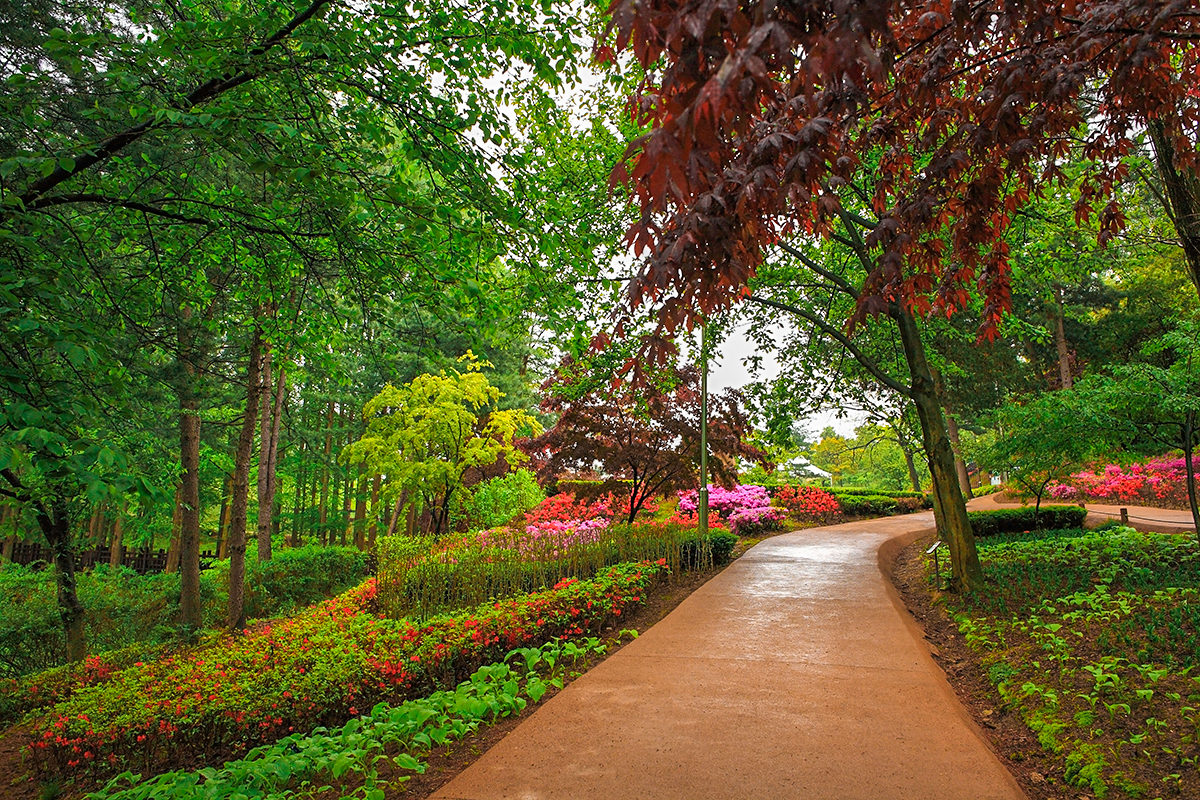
<point>298,507</point>
<point>1189,442</point>
<point>1060,342</point>
<point>172,564</point>
<point>263,530</point>
<point>273,504</point>
<point>323,508</point>
<point>1182,201</point>
<point>189,528</point>
<point>240,500</point>
<point>347,519</point>
<point>375,515</point>
<point>116,552</point>
<point>395,515</point>
<point>8,515</point>
<point>360,511</point>
<point>56,527</point>
<point>222,547</point>
<point>960,466</point>
<point>950,509</point>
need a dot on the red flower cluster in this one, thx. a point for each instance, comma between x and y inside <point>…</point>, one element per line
<point>812,502</point>
<point>317,668</point>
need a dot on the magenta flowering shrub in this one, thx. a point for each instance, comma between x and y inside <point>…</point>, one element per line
<point>747,508</point>
<point>1155,482</point>
<point>727,501</point>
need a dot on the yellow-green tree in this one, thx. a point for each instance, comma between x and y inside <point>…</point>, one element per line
<point>421,437</point>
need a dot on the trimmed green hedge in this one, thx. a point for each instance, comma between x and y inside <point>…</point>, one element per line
<point>1015,520</point>
<point>853,505</point>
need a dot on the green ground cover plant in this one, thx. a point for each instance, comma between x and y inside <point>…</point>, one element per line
<point>320,667</point>
<point>304,765</point>
<point>125,611</point>
<point>1092,636</point>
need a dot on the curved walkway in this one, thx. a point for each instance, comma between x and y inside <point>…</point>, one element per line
<point>794,673</point>
<point>1144,518</point>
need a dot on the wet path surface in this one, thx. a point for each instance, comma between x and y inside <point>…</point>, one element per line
<point>795,673</point>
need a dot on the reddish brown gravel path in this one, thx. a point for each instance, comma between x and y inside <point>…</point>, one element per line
<point>795,673</point>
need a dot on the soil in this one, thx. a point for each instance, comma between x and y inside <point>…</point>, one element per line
<point>1036,770</point>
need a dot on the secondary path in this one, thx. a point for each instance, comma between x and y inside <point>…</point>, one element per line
<point>1144,518</point>
<point>795,673</point>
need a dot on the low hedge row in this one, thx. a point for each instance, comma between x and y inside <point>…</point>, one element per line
<point>1016,520</point>
<point>318,668</point>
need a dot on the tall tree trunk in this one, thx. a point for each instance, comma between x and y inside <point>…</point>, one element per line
<point>375,515</point>
<point>950,509</point>
<point>189,527</point>
<point>116,551</point>
<point>347,519</point>
<point>1181,186</point>
<point>1189,444</point>
<point>8,516</point>
<point>263,535</point>
<point>1060,342</point>
<point>240,500</point>
<point>323,508</point>
<point>960,466</point>
<point>55,523</point>
<point>172,565</point>
<point>298,507</point>
<point>273,503</point>
<point>221,548</point>
<point>395,515</point>
<point>360,511</point>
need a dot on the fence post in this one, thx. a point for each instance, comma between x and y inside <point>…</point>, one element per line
<point>1124,516</point>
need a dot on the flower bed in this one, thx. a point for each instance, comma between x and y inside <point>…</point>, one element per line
<point>747,508</point>
<point>318,668</point>
<point>1160,482</point>
<point>808,502</point>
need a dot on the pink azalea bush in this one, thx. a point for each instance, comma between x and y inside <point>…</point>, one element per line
<point>747,508</point>
<point>1158,481</point>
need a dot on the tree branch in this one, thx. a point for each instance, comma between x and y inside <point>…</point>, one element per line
<point>840,338</point>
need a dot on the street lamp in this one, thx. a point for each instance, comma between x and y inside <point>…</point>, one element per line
<point>702,505</point>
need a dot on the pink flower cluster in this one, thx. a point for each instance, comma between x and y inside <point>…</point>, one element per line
<point>544,540</point>
<point>1158,481</point>
<point>727,501</point>
<point>746,508</point>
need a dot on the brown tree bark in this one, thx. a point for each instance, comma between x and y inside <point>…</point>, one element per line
<point>240,490</point>
<point>1060,342</point>
<point>950,509</point>
<point>172,564</point>
<point>375,516</point>
<point>273,500</point>
<point>116,551</point>
<point>360,511</point>
<point>1181,185</point>
<point>55,523</point>
<point>221,547</point>
<point>189,519</point>
<point>263,530</point>
<point>960,466</point>
<point>323,508</point>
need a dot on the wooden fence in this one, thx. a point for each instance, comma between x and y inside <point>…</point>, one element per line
<point>142,560</point>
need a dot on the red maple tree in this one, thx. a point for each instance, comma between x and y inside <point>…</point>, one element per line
<point>648,435</point>
<point>761,112</point>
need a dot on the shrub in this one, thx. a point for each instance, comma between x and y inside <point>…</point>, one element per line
<point>318,668</point>
<point>1015,520</point>
<point>808,502</point>
<point>499,563</point>
<point>294,578</point>
<point>855,505</point>
<point>497,501</point>
<point>752,521</point>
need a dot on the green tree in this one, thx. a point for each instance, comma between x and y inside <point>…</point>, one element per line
<point>422,436</point>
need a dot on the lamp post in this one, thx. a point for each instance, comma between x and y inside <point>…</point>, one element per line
<point>702,505</point>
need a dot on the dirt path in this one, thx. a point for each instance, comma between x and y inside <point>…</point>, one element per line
<point>795,673</point>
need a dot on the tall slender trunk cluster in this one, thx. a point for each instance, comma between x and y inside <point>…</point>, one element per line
<point>268,482</point>
<point>240,500</point>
